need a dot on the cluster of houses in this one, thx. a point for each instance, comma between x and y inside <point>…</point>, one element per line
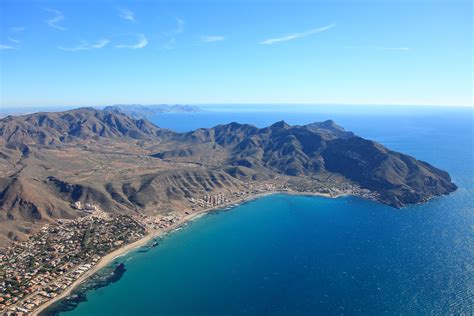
<point>40,268</point>
<point>158,222</point>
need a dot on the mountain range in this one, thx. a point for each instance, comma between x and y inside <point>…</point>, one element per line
<point>125,164</point>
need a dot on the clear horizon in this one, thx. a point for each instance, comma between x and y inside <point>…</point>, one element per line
<point>229,104</point>
<point>324,109</point>
<point>57,54</point>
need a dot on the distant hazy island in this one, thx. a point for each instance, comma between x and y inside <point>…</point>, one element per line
<point>69,181</point>
<point>140,111</point>
<point>136,111</point>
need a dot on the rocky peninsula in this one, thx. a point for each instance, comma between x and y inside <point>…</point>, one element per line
<point>69,180</point>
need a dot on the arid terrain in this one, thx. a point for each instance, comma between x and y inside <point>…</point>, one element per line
<point>61,165</point>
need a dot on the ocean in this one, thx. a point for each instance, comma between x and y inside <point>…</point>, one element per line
<point>298,255</point>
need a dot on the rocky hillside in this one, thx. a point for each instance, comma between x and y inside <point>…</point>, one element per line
<point>49,161</point>
<point>325,147</point>
<point>62,127</point>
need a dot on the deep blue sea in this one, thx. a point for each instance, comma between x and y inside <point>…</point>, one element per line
<point>288,255</point>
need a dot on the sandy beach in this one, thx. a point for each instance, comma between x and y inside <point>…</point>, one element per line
<point>107,259</point>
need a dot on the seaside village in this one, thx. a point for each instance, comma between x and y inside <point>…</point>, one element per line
<point>37,270</point>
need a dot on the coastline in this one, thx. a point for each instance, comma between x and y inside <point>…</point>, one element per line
<point>107,259</point>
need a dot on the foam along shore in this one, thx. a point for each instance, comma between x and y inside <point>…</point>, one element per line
<point>107,259</point>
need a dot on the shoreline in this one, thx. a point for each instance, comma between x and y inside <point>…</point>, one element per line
<point>107,259</point>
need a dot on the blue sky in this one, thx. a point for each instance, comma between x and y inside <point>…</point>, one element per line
<point>56,53</point>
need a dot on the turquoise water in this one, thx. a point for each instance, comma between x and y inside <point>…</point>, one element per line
<point>287,255</point>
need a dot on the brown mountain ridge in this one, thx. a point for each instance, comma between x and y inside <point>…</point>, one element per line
<point>49,161</point>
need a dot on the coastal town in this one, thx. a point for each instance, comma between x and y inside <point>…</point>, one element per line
<point>37,270</point>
